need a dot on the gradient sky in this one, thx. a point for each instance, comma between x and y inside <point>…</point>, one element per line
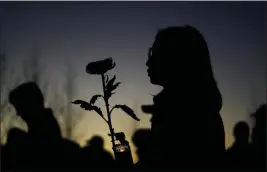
<point>81,32</point>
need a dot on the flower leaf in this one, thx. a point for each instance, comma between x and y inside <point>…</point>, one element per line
<point>128,110</point>
<point>94,98</point>
<point>115,86</point>
<point>83,104</point>
<point>109,94</point>
<point>78,102</point>
<point>87,106</point>
<point>110,83</point>
<point>97,110</point>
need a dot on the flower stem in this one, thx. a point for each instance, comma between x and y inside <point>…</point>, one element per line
<point>108,114</point>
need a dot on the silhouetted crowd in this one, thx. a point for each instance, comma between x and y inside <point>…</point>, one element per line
<point>187,131</point>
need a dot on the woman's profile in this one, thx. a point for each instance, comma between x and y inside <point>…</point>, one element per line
<point>186,112</point>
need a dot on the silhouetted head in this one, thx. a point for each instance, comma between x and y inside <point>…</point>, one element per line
<point>96,142</point>
<point>141,139</point>
<point>177,52</point>
<point>241,132</point>
<point>259,130</point>
<point>260,114</point>
<point>27,99</point>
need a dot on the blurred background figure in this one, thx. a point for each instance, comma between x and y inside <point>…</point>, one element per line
<point>239,154</point>
<point>142,140</point>
<point>95,156</point>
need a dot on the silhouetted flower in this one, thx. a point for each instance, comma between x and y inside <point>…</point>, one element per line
<point>109,86</point>
<point>100,67</point>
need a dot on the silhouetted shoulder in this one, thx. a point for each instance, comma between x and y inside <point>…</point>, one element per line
<point>16,135</point>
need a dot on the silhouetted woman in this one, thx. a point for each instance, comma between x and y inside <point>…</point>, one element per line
<point>187,128</point>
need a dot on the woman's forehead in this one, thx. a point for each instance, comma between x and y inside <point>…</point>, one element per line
<point>157,43</point>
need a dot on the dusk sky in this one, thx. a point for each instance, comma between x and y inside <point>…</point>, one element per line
<point>81,32</point>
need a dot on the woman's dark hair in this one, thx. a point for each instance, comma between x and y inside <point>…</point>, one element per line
<point>188,46</point>
<point>187,43</point>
